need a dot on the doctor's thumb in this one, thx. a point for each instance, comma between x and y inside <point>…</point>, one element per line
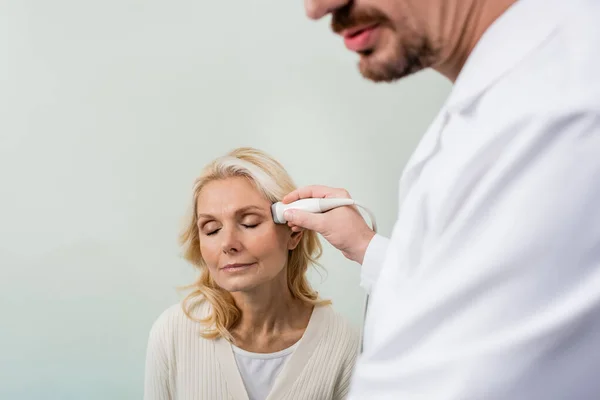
<point>304,219</point>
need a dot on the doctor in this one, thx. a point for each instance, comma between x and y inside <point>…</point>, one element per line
<point>489,287</point>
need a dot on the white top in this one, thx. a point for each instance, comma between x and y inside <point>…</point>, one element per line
<point>180,364</point>
<point>489,287</point>
<point>259,371</point>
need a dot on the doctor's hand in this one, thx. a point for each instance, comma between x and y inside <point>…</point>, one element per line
<point>343,227</point>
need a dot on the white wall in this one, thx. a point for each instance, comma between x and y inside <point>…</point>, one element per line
<point>108,111</point>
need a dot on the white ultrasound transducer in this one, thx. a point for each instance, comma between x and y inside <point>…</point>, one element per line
<point>316,205</point>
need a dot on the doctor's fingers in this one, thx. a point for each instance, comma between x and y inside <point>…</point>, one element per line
<point>299,220</point>
<point>316,191</point>
<point>295,228</point>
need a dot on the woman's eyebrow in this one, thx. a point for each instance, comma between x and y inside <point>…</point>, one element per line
<point>247,209</point>
<point>239,211</point>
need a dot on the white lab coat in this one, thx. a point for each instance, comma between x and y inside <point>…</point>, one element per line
<point>489,287</point>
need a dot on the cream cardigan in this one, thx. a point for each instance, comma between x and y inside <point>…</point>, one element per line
<point>181,365</point>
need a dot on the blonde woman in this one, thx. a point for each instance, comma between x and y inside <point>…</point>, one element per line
<point>252,328</point>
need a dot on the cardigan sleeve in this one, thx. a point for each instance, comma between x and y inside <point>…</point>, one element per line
<point>156,379</point>
<point>342,387</point>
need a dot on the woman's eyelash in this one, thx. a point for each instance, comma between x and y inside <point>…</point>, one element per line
<point>249,226</point>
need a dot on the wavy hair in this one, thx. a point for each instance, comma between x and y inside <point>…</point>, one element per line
<point>272,180</point>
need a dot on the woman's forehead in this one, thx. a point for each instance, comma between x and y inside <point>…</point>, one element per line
<point>230,196</point>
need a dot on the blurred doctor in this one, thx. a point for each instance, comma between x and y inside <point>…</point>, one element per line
<point>489,286</point>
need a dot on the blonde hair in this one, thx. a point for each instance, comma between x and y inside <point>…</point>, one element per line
<point>273,181</point>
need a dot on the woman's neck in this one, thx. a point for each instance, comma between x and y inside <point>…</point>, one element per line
<point>271,318</point>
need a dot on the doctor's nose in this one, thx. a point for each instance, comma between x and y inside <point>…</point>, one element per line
<point>317,9</point>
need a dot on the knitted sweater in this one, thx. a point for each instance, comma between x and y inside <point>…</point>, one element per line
<point>181,365</point>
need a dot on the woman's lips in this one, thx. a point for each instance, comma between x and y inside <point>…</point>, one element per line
<point>237,267</point>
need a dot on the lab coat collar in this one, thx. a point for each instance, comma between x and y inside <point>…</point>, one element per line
<point>515,34</point>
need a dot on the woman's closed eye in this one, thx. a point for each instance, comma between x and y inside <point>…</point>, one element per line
<point>246,226</point>
<point>250,221</point>
<point>210,228</point>
<point>250,224</point>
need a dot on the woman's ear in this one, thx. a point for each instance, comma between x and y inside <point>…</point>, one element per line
<point>294,239</point>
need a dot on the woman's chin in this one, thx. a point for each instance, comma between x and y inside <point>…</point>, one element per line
<point>249,280</point>
<point>240,284</point>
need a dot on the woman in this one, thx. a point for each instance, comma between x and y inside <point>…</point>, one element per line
<point>252,328</point>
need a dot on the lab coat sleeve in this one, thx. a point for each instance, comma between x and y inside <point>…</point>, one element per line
<point>373,261</point>
<point>505,303</point>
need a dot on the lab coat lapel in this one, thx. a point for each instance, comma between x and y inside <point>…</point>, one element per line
<point>425,149</point>
<point>515,34</point>
<point>494,56</point>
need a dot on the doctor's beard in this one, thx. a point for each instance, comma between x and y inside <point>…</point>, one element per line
<point>399,51</point>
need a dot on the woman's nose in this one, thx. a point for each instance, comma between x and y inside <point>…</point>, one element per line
<point>231,241</point>
<point>317,9</point>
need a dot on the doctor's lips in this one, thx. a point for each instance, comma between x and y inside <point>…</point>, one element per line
<point>360,39</point>
<point>359,30</point>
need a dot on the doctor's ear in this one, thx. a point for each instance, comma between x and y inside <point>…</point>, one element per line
<point>294,239</point>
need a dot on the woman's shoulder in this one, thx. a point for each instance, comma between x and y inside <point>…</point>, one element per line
<point>176,338</point>
<point>179,317</point>
<point>338,330</point>
<point>336,319</point>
